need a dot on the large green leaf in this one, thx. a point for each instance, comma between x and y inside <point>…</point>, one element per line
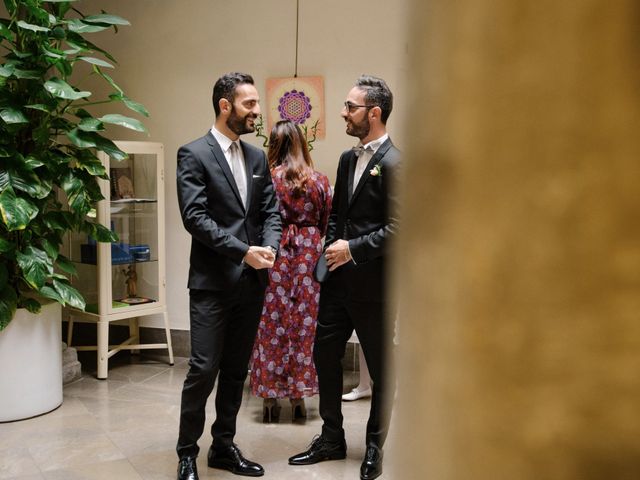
<point>30,26</point>
<point>5,32</point>
<point>69,294</point>
<point>102,234</point>
<point>61,89</point>
<point>6,70</point>
<point>49,292</point>
<point>51,249</point>
<point>135,106</point>
<point>31,304</point>
<point>110,148</point>
<point>8,306</point>
<point>66,265</point>
<point>32,162</point>
<point>13,115</point>
<point>106,18</point>
<point>78,26</point>
<point>93,167</point>
<point>78,197</point>
<point>37,13</point>
<point>36,266</point>
<point>16,212</point>
<point>90,125</point>
<point>26,74</point>
<point>65,67</point>
<point>29,183</point>
<point>95,61</point>
<point>127,122</point>
<point>115,97</point>
<point>53,52</point>
<point>82,139</point>
<point>57,220</point>
<point>39,106</point>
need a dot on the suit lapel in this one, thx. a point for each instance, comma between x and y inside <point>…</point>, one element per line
<point>376,158</point>
<point>218,154</point>
<point>353,159</point>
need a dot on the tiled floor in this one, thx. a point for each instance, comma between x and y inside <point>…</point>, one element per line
<point>125,428</point>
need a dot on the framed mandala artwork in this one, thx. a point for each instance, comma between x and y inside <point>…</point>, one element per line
<point>299,99</point>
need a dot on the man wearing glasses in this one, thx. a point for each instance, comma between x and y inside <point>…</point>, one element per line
<point>354,295</point>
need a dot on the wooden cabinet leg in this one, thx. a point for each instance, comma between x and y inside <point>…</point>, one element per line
<point>103,349</point>
<point>134,333</point>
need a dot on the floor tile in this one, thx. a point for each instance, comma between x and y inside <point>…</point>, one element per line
<point>126,427</point>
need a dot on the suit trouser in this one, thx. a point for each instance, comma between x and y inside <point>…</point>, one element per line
<point>223,329</point>
<point>337,318</point>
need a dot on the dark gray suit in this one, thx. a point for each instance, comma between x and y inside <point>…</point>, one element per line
<point>355,294</point>
<point>225,294</point>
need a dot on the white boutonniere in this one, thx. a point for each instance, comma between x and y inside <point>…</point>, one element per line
<point>376,171</point>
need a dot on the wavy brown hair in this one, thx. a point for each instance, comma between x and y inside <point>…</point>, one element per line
<point>288,147</point>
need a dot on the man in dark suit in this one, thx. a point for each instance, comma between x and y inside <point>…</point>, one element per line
<point>228,205</point>
<point>355,295</point>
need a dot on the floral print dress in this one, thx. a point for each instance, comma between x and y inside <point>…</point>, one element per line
<point>282,360</point>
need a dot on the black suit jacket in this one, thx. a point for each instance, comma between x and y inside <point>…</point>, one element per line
<point>222,229</point>
<point>366,218</point>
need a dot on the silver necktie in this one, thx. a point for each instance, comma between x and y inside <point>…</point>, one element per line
<point>238,171</point>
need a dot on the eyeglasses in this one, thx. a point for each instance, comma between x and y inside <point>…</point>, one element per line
<point>352,107</point>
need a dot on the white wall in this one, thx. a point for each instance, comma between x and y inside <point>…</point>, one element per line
<point>175,50</point>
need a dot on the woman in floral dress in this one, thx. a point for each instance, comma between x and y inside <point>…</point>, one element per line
<point>282,360</point>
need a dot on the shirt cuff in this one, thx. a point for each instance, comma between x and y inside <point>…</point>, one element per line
<point>349,252</point>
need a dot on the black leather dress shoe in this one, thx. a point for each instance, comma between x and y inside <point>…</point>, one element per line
<point>320,450</point>
<point>187,469</point>
<point>230,458</point>
<point>372,464</point>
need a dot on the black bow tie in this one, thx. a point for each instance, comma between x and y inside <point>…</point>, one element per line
<point>360,149</point>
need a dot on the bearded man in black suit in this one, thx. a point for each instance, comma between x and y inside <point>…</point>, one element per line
<point>354,296</point>
<point>228,205</point>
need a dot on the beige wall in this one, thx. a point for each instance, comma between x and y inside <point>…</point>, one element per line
<point>174,51</point>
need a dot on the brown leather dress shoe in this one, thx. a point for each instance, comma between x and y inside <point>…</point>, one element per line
<point>230,458</point>
<point>187,469</point>
<point>372,464</point>
<point>320,450</point>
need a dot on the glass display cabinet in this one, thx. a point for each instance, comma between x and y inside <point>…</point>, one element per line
<point>125,280</point>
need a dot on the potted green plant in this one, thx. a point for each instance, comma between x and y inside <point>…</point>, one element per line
<point>49,170</point>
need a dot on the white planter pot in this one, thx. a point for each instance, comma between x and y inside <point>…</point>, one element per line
<point>31,364</point>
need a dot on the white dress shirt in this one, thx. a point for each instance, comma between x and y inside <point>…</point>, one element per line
<point>368,151</point>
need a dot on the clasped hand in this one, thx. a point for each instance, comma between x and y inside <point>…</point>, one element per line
<point>337,254</point>
<point>259,257</point>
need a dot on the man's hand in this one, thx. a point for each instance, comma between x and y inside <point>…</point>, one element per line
<point>337,254</point>
<point>259,257</point>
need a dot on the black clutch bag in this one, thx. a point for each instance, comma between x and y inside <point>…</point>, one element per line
<point>321,270</point>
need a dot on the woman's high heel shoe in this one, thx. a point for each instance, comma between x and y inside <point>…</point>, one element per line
<point>298,409</point>
<point>270,410</point>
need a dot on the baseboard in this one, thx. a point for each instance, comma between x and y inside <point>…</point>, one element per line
<point>85,334</point>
